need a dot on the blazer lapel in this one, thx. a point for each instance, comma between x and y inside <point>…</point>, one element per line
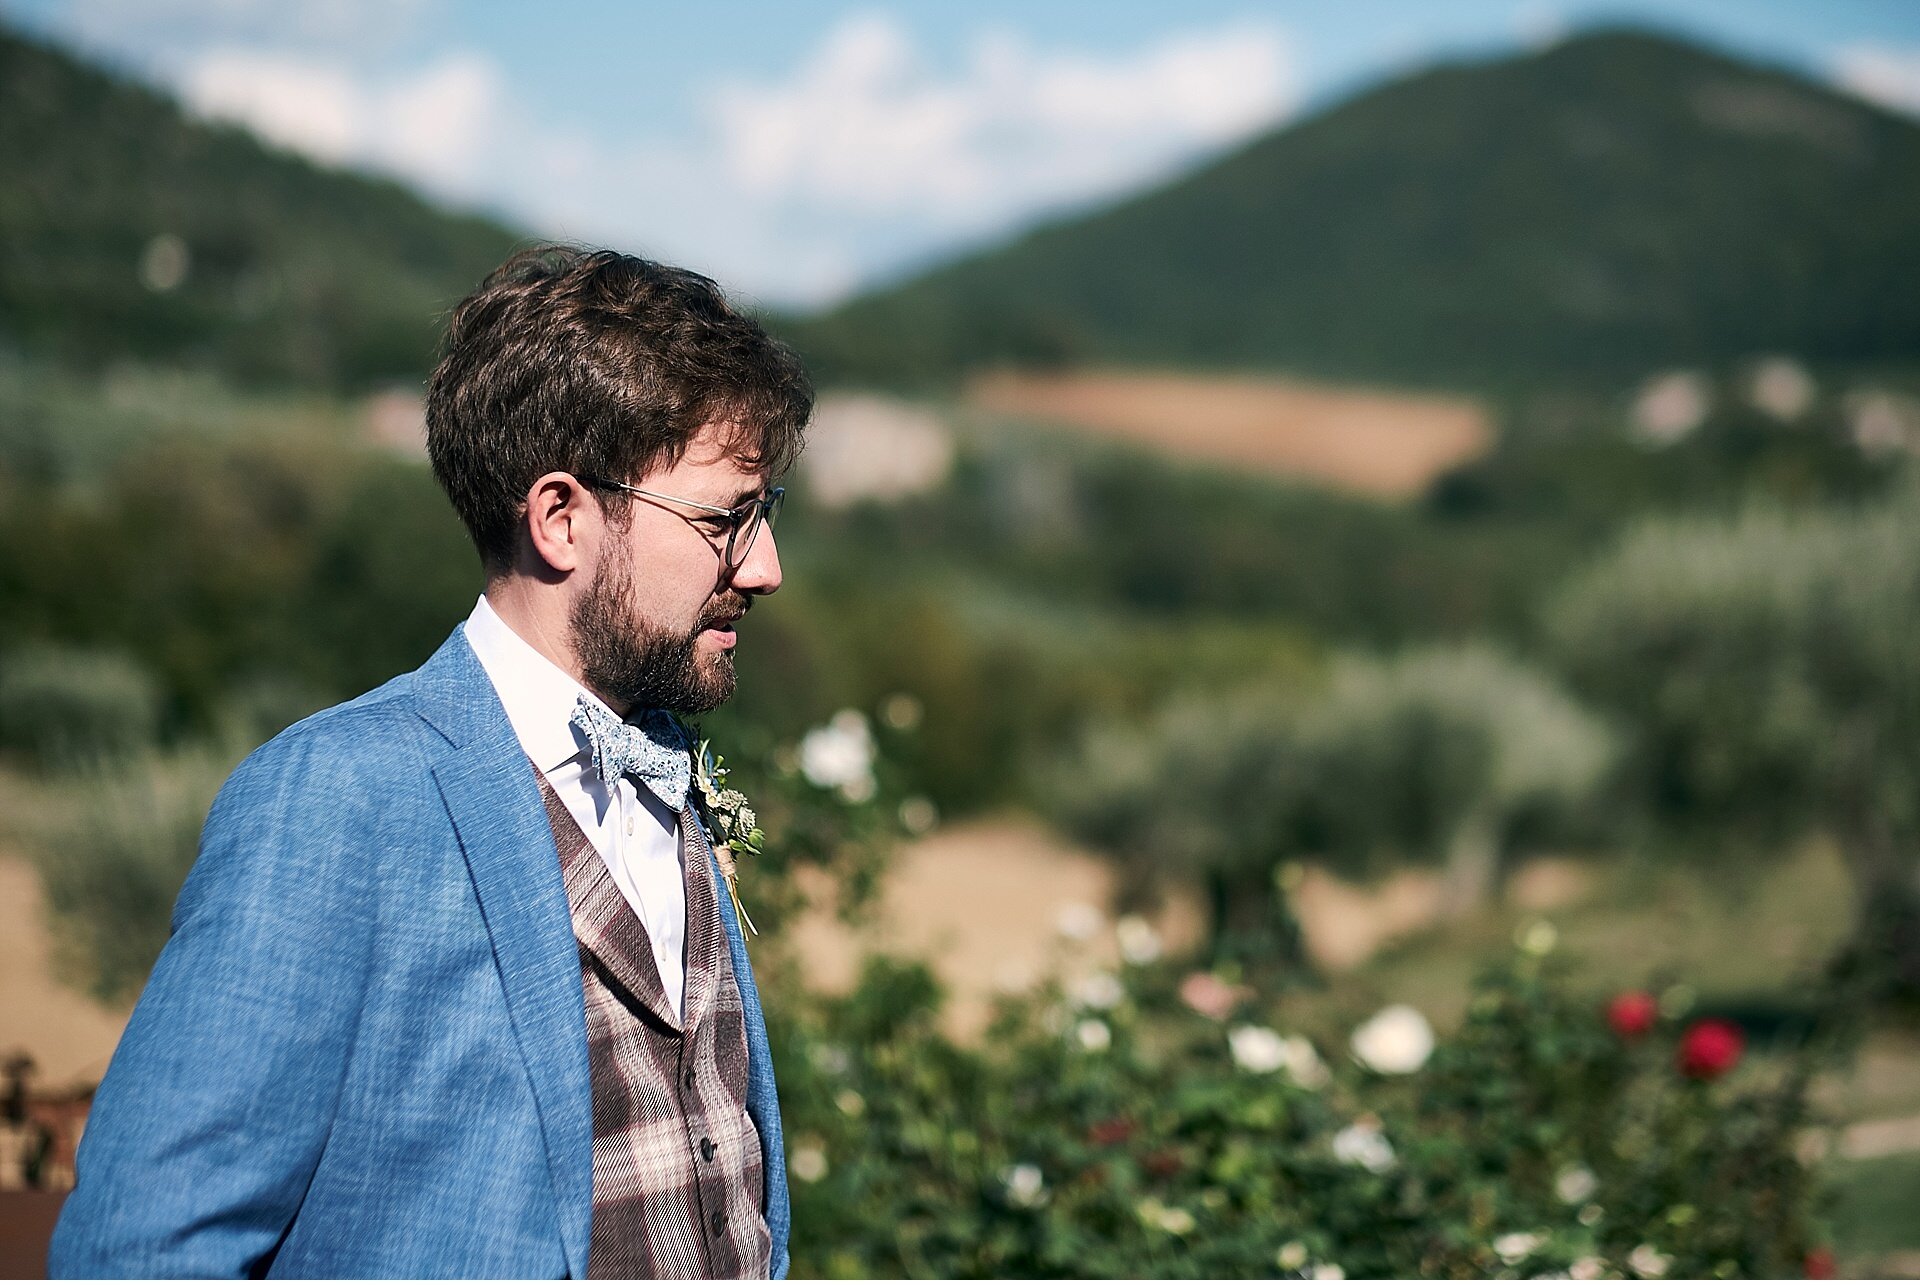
<point>613,935</point>
<point>705,947</point>
<point>491,795</point>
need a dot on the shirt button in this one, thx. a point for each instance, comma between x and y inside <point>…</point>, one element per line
<point>707,1149</point>
<point>719,1223</point>
<point>629,825</point>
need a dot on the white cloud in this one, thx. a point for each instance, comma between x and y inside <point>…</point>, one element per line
<point>1886,74</point>
<point>867,125</point>
<point>865,154</point>
<point>430,124</point>
<point>303,105</point>
<point>1540,25</point>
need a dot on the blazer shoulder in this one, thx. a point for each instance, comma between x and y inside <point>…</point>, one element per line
<point>322,791</point>
<point>353,739</point>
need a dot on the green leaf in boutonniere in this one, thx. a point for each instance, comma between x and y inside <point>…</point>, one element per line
<point>736,829</point>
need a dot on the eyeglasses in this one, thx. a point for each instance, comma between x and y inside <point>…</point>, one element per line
<point>743,522</point>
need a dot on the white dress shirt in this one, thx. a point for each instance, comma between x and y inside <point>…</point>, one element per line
<point>632,830</point>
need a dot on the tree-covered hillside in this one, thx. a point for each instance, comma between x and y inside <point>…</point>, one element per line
<point>1618,202</point>
<point>128,229</point>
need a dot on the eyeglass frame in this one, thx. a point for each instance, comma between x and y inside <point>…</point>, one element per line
<point>768,504</point>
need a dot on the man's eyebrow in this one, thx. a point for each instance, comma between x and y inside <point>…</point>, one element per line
<point>748,493</point>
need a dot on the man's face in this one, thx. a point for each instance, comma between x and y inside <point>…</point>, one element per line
<point>654,628</point>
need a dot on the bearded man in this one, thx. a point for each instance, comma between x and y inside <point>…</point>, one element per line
<point>455,987</point>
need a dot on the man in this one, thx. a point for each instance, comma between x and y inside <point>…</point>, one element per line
<point>455,986</point>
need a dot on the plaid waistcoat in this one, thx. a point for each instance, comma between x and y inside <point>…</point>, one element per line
<point>677,1182</point>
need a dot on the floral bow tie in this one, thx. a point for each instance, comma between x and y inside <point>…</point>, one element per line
<point>653,752</point>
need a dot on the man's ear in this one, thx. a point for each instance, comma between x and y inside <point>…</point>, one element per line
<point>561,518</point>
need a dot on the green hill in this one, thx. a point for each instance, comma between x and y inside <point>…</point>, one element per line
<point>292,273</point>
<point>1618,202</point>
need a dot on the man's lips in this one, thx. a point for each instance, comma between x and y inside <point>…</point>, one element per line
<point>722,627</point>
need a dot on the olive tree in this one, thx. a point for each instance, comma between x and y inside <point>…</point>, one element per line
<point>1436,756</point>
<point>1768,668</point>
<point>1440,756</point>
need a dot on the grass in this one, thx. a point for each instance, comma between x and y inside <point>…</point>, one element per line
<point>1876,1206</point>
<point>1749,943</point>
<point>1743,940</point>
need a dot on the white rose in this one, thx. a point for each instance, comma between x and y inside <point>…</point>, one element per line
<point>1077,921</point>
<point>1649,1262</point>
<point>1099,990</point>
<point>1303,1063</point>
<point>1517,1245</point>
<point>839,756</point>
<point>1026,1188</point>
<point>809,1162</point>
<point>1093,1035</point>
<point>1257,1048</point>
<point>1139,943</point>
<point>1575,1185</point>
<point>1363,1144</point>
<point>1395,1041</point>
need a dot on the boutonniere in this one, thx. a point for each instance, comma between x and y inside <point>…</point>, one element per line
<point>736,829</point>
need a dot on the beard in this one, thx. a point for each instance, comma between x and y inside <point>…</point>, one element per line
<point>633,662</point>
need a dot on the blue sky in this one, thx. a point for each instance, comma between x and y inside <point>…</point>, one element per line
<point>795,150</point>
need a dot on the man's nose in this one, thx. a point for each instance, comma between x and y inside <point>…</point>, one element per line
<point>760,572</point>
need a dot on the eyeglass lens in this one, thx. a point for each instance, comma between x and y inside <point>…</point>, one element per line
<point>763,513</point>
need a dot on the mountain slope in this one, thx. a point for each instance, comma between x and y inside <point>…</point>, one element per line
<point>291,272</point>
<point>1617,202</point>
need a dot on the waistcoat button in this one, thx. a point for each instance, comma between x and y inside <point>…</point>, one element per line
<point>719,1223</point>
<point>707,1149</point>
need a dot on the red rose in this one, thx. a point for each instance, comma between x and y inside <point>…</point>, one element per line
<point>1631,1014</point>
<point>1710,1048</point>
<point>1162,1164</point>
<point>1820,1265</point>
<point>1108,1132</point>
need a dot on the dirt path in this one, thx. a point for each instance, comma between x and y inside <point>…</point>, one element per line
<point>69,1036</point>
<point>983,902</point>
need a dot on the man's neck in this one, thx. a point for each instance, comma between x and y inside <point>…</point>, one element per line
<point>540,621</point>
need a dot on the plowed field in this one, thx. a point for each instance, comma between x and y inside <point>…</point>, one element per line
<point>1376,443</point>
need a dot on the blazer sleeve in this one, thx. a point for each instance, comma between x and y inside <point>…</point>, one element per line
<point>217,1105</point>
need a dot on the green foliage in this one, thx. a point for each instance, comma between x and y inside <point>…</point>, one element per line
<point>1571,465</point>
<point>1446,754</point>
<point>1765,668</point>
<point>113,854</point>
<point>1084,524</point>
<point>60,708</point>
<point>292,273</point>
<point>1738,647</point>
<point>1617,203</point>
<point>1875,1204</point>
<point>1129,1141</point>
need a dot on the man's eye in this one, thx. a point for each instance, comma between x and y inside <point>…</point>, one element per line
<point>716,525</point>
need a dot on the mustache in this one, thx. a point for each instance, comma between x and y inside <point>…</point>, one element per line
<point>728,606</point>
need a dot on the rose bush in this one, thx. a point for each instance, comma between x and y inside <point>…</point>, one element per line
<point>1534,1139</point>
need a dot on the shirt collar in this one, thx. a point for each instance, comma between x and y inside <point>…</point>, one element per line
<point>538,695</point>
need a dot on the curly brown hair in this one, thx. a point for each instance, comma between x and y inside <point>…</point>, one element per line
<point>602,365</point>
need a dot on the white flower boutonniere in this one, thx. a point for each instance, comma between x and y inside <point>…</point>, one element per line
<point>736,829</point>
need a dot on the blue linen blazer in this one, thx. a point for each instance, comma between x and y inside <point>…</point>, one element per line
<point>363,1052</point>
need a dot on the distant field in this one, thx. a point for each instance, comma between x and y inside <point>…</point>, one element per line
<point>1376,443</point>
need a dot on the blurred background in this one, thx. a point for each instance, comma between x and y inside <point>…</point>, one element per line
<point>1346,699</point>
